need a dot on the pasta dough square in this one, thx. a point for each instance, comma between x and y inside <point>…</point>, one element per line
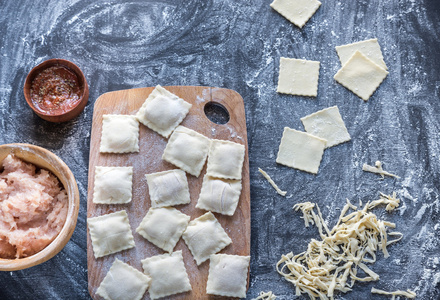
<point>110,233</point>
<point>163,111</point>
<point>113,185</point>
<point>361,75</point>
<point>327,124</point>
<point>163,227</point>
<point>298,77</point>
<point>205,236</point>
<point>168,188</point>
<point>120,134</point>
<point>187,149</point>
<point>168,275</point>
<point>228,275</point>
<point>300,150</point>
<point>219,195</point>
<point>296,11</point>
<point>123,282</point>
<point>369,48</point>
<point>225,159</point>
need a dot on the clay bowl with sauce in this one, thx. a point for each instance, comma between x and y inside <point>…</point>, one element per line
<point>56,90</point>
<point>45,159</point>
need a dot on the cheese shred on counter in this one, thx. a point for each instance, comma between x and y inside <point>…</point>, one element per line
<point>332,264</point>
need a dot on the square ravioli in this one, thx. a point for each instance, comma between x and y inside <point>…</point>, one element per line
<point>225,159</point>
<point>300,150</point>
<point>296,11</point>
<point>228,275</point>
<point>219,195</point>
<point>110,233</point>
<point>123,282</point>
<point>113,185</point>
<point>168,275</point>
<point>298,77</point>
<point>168,188</point>
<point>163,111</point>
<point>205,236</point>
<point>187,149</point>
<point>328,125</point>
<point>120,134</point>
<point>370,48</point>
<point>361,75</point>
<point>163,227</point>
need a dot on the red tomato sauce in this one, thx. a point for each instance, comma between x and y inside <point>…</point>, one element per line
<point>55,90</point>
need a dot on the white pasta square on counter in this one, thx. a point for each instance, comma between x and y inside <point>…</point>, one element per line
<point>219,195</point>
<point>187,149</point>
<point>205,236</point>
<point>225,159</point>
<point>296,11</point>
<point>298,77</point>
<point>163,111</point>
<point>113,185</point>
<point>228,275</point>
<point>110,233</point>
<point>168,188</point>
<point>328,125</point>
<point>168,275</point>
<point>163,227</point>
<point>123,282</point>
<point>120,134</point>
<point>369,48</point>
<point>300,150</point>
<point>361,75</point>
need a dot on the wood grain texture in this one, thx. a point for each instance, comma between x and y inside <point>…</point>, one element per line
<point>148,160</point>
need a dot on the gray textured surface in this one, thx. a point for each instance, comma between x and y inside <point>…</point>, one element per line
<point>237,45</point>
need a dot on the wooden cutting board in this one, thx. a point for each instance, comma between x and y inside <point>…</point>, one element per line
<point>148,160</point>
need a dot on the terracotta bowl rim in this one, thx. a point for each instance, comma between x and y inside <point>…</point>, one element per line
<point>56,166</point>
<point>49,63</point>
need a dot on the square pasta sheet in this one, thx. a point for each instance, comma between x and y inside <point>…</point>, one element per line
<point>110,233</point>
<point>328,125</point>
<point>123,282</point>
<point>296,11</point>
<point>228,275</point>
<point>163,111</point>
<point>300,150</point>
<point>163,227</point>
<point>120,134</point>
<point>168,275</point>
<point>168,188</point>
<point>205,236</point>
<point>361,75</point>
<point>219,195</point>
<point>187,149</point>
<point>113,185</point>
<point>298,77</point>
<point>225,159</point>
<point>369,48</point>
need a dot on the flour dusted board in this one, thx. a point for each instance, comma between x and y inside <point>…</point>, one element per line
<point>148,160</point>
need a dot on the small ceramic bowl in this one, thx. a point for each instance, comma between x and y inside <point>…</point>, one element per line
<point>45,159</point>
<point>73,111</point>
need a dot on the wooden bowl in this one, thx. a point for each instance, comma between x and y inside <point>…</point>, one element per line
<point>75,110</point>
<point>45,159</point>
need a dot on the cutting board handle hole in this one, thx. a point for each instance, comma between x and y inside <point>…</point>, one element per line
<point>216,113</point>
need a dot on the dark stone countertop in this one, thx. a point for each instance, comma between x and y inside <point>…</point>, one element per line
<point>237,45</point>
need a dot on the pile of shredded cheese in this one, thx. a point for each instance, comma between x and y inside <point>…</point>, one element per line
<point>332,264</point>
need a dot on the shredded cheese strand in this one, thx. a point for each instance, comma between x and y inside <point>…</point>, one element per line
<point>378,170</point>
<point>274,185</point>
<point>266,296</point>
<point>325,267</point>
<point>408,293</point>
